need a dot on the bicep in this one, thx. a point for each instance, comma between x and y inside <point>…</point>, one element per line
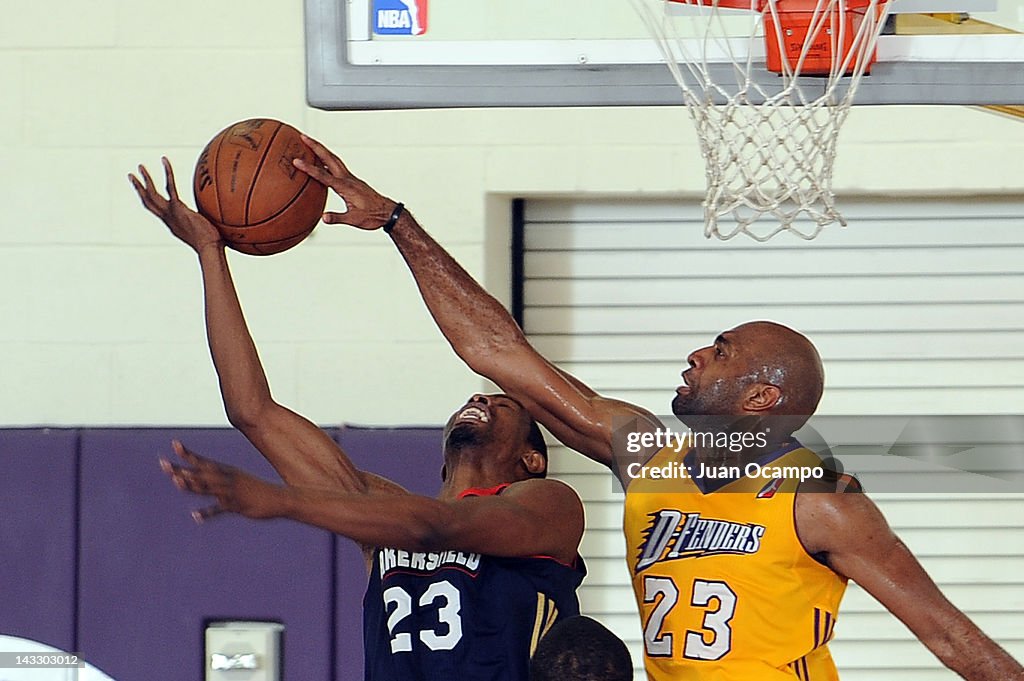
<point>541,517</point>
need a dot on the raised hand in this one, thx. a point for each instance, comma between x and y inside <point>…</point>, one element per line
<point>367,209</point>
<point>235,490</point>
<point>184,223</point>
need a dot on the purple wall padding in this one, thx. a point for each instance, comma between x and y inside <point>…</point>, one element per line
<point>412,458</point>
<point>37,535</point>
<point>150,577</point>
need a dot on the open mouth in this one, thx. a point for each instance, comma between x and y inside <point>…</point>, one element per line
<point>471,414</point>
<point>685,388</point>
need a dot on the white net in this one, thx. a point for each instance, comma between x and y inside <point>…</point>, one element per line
<point>769,141</point>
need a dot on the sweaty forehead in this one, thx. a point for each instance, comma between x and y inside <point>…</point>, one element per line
<point>751,334</point>
<point>735,340</point>
<point>749,341</point>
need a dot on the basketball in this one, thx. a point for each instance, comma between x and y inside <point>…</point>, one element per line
<point>246,185</point>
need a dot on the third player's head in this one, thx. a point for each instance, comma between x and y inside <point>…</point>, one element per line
<point>498,431</point>
<point>757,369</point>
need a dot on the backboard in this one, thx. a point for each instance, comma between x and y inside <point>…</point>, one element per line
<point>393,54</point>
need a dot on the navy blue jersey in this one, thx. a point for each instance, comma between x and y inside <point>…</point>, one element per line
<point>451,615</point>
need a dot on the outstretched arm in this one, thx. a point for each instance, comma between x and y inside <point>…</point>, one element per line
<point>859,544</point>
<point>532,517</point>
<point>480,330</point>
<point>302,453</point>
<point>484,335</point>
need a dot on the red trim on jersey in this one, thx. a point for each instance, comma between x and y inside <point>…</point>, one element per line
<point>498,489</point>
<point>574,564</point>
<point>405,571</point>
<point>483,491</point>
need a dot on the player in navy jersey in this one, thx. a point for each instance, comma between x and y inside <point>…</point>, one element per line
<point>465,584</point>
<point>470,615</point>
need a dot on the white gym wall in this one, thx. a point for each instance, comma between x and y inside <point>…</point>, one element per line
<point>101,321</point>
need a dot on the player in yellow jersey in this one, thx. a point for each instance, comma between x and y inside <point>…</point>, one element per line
<point>725,588</point>
<point>735,580</point>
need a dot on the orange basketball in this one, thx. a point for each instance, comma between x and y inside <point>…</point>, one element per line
<point>246,185</point>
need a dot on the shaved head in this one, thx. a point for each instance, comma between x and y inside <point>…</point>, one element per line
<point>786,359</point>
<point>759,368</point>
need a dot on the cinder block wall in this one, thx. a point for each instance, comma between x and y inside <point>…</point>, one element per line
<point>100,317</point>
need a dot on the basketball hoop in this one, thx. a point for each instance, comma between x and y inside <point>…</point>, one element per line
<point>768,141</point>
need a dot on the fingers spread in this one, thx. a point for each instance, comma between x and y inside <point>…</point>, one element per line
<point>187,480</point>
<point>328,158</point>
<point>205,478</point>
<point>178,474</point>
<point>141,191</point>
<point>150,197</point>
<point>172,189</point>
<point>203,514</point>
<point>319,174</point>
<point>146,177</point>
<point>186,454</point>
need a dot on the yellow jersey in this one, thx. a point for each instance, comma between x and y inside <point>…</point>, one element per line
<point>725,589</point>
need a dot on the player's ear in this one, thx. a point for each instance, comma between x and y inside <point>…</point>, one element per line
<point>762,397</point>
<point>536,464</point>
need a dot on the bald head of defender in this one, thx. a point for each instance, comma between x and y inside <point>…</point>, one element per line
<point>756,369</point>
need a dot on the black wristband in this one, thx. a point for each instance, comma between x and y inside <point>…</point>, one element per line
<point>395,214</point>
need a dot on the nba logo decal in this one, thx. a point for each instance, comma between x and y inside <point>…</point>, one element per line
<point>399,17</point>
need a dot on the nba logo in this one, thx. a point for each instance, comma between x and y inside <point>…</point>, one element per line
<point>399,17</point>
